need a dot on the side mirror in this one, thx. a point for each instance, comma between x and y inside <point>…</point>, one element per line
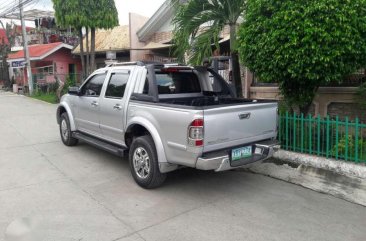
<point>74,91</point>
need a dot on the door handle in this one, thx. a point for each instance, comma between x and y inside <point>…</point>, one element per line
<point>117,107</point>
<point>94,103</point>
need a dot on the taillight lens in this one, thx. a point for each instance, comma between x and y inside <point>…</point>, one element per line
<point>195,133</point>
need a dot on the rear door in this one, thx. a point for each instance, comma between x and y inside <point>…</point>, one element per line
<point>112,106</point>
<point>87,114</point>
<point>236,125</point>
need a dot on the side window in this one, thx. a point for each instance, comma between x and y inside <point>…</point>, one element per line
<point>94,86</point>
<point>117,85</point>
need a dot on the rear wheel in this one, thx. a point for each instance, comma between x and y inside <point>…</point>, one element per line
<point>65,131</point>
<point>144,163</point>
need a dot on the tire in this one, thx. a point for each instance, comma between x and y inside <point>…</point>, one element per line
<point>65,131</point>
<point>144,163</point>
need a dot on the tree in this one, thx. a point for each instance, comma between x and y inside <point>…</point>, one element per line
<point>302,45</point>
<point>91,14</point>
<point>69,14</point>
<point>198,24</point>
<point>104,15</point>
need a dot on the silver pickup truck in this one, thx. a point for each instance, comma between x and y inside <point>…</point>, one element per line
<point>167,117</point>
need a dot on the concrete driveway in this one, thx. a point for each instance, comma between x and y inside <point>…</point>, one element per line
<point>82,193</point>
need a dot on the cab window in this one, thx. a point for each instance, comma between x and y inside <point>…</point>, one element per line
<point>94,86</point>
<point>117,85</point>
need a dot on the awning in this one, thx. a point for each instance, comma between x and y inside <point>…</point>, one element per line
<point>32,14</point>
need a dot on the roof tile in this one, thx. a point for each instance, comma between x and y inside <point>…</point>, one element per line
<point>35,50</point>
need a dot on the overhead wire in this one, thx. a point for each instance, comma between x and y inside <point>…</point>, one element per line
<point>12,9</point>
<point>6,5</point>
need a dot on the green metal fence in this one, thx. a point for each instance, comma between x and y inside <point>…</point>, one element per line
<point>328,137</point>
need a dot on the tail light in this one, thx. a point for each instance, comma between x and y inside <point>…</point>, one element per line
<point>195,133</point>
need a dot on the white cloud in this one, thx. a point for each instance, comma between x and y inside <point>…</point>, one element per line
<point>144,7</point>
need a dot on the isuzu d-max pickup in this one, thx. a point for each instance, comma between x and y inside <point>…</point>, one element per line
<point>167,117</point>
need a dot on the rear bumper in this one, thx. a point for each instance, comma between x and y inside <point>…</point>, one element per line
<point>221,160</point>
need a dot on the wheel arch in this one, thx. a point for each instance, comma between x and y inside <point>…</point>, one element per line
<point>62,108</point>
<point>140,127</point>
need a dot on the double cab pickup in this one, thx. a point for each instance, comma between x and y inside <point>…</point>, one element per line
<point>166,117</point>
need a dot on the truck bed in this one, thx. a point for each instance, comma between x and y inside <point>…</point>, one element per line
<point>228,122</point>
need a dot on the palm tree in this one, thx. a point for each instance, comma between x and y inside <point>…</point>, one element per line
<point>197,25</point>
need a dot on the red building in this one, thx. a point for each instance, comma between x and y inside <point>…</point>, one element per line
<point>47,62</point>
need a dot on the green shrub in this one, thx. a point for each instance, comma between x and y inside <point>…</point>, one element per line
<point>342,144</point>
<point>361,94</point>
<point>70,81</point>
<point>52,88</point>
<point>283,107</point>
<point>47,97</point>
<point>303,44</point>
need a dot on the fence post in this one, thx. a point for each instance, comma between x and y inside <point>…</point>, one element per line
<point>310,135</point>
<point>279,127</point>
<point>294,133</point>
<point>327,141</point>
<point>318,141</point>
<point>362,147</point>
<point>286,130</point>
<point>302,132</point>
<point>356,140</point>
<point>346,154</point>
<point>337,120</point>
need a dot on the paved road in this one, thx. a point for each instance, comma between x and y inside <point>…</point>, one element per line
<point>81,193</point>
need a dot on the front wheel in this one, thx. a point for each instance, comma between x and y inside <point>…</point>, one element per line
<point>65,131</point>
<point>144,163</point>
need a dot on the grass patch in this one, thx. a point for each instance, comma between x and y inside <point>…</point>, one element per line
<point>47,97</point>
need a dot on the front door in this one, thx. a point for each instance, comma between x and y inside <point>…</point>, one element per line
<point>72,71</point>
<point>88,106</point>
<point>112,107</point>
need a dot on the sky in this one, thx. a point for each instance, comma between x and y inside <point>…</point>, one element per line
<point>144,7</point>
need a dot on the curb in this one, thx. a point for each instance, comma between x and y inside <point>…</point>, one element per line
<point>338,178</point>
<point>25,96</point>
<point>29,97</point>
<point>337,166</point>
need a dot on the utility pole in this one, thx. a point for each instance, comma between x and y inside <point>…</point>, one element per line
<point>25,47</point>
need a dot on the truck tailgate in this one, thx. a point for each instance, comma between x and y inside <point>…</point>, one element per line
<point>236,125</point>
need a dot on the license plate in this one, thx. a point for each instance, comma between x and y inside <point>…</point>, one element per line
<point>240,153</point>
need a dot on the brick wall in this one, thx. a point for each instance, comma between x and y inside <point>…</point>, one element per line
<point>352,110</point>
<point>161,37</point>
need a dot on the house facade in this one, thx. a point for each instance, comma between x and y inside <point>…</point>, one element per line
<point>44,32</point>
<point>332,100</point>
<point>48,62</point>
<point>151,37</point>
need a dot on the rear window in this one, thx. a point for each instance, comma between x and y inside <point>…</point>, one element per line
<point>177,83</point>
